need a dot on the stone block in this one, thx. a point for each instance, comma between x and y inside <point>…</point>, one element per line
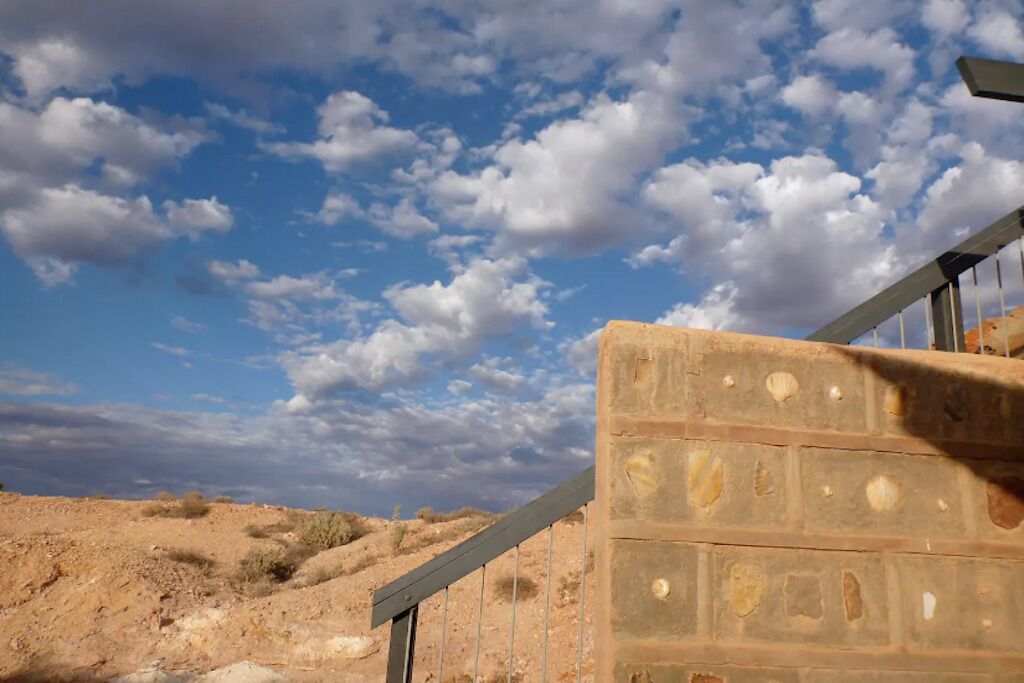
<point>743,485</point>
<point>653,590</point>
<point>848,676</point>
<point>666,673</point>
<point>802,597</point>
<point>862,492</point>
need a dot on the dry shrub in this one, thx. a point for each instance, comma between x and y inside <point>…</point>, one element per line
<point>197,560</point>
<point>525,589</point>
<point>223,499</point>
<point>99,495</point>
<point>459,678</point>
<point>326,530</point>
<point>396,534</point>
<point>569,588</point>
<point>192,506</point>
<point>261,565</point>
<point>253,531</point>
<point>425,539</point>
<point>165,496</point>
<point>431,516</point>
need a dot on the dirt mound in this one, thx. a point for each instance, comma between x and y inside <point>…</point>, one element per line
<point>95,590</point>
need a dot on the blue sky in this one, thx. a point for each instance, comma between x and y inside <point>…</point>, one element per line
<point>358,255</point>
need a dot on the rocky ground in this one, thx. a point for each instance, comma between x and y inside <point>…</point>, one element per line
<point>94,590</point>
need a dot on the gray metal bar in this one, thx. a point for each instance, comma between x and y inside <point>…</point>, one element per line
<point>403,646</point>
<point>977,306</point>
<point>583,597</point>
<point>947,317</point>
<point>444,629</point>
<point>993,79</point>
<point>479,621</point>
<point>547,607</point>
<point>927,278</point>
<point>903,332</point>
<point>512,630</point>
<point>1002,307</point>
<point>506,533</point>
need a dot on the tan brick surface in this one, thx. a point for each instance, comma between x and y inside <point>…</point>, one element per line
<point>774,510</point>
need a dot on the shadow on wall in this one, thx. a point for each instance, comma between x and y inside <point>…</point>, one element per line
<point>968,408</point>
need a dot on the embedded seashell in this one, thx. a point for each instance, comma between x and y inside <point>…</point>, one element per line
<point>895,401</point>
<point>835,393</point>
<point>943,505</point>
<point>882,493</point>
<point>705,477</point>
<point>640,474</point>
<point>764,482</point>
<point>746,586</point>
<point>986,624</point>
<point>928,602</point>
<point>660,589</point>
<point>728,382</point>
<point>782,386</point>
<point>826,491</point>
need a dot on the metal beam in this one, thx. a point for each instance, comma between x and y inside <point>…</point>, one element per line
<point>508,532</point>
<point>402,647</point>
<point>948,317</point>
<point>993,79</point>
<point>928,278</point>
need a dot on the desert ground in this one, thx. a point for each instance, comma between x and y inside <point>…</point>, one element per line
<point>99,590</point>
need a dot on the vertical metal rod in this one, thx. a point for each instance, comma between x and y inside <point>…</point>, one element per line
<point>583,595</point>
<point>1020,248</point>
<point>903,332</point>
<point>928,321</point>
<point>547,608</point>
<point>402,647</point>
<point>977,305</point>
<point>874,335</point>
<point>512,631</point>
<point>1002,304</point>
<point>952,315</point>
<point>479,618</point>
<point>444,625</point>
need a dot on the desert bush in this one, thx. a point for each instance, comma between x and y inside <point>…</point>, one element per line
<point>322,574</point>
<point>99,495</point>
<point>396,534</point>
<point>253,531</point>
<point>165,496</point>
<point>223,499</point>
<point>425,538</point>
<point>431,516</point>
<point>193,505</point>
<point>525,589</point>
<point>327,530</point>
<point>261,565</point>
<point>197,560</point>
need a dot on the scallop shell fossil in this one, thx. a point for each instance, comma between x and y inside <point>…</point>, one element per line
<point>882,493</point>
<point>764,482</point>
<point>835,393</point>
<point>640,474</point>
<point>705,477</point>
<point>782,386</point>
<point>661,589</point>
<point>728,382</point>
<point>895,402</point>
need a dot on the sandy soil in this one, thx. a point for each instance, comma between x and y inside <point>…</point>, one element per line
<point>88,593</point>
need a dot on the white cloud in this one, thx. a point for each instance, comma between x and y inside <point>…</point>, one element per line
<point>338,206</point>
<point>563,190</point>
<point>192,216</point>
<point>714,312</point>
<point>177,351</point>
<point>353,129</point>
<point>811,95</point>
<point>498,374</point>
<point>242,119</point>
<point>945,18</point>
<point>401,220</point>
<point>865,15</point>
<point>998,32</point>
<point>233,272</point>
<point>881,50</point>
<point>488,298</point>
<point>548,107</point>
<point>18,381</point>
<point>582,352</point>
<point>183,324</point>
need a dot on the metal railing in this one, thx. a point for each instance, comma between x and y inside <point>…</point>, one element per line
<point>935,286</point>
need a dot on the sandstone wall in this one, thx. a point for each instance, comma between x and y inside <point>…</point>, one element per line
<point>775,510</point>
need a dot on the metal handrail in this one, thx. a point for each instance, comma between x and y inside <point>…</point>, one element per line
<point>938,279</point>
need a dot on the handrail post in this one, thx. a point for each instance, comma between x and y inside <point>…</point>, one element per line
<point>948,317</point>
<point>402,647</point>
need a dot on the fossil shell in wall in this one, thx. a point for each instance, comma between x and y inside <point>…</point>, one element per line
<point>895,401</point>
<point>764,482</point>
<point>782,386</point>
<point>728,382</point>
<point>835,393</point>
<point>746,585</point>
<point>640,474</point>
<point>705,477</point>
<point>882,493</point>
<point>660,589</point>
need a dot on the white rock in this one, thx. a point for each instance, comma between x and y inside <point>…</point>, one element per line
<point>242,672</point>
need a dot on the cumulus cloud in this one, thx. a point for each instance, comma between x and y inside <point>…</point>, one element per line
<point>241,118</point>
<point>498,374</point>
<point>352,130</point>
<point>811,95</point>
<point>945,18</point>
<point>19,381</point>
<point>338,206</point>
<point>485,299</point>
<point>193,216</point>
<point>881,50</point>
<point>183,324</point>
<point>998,32</point>
<point>402,220</point>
